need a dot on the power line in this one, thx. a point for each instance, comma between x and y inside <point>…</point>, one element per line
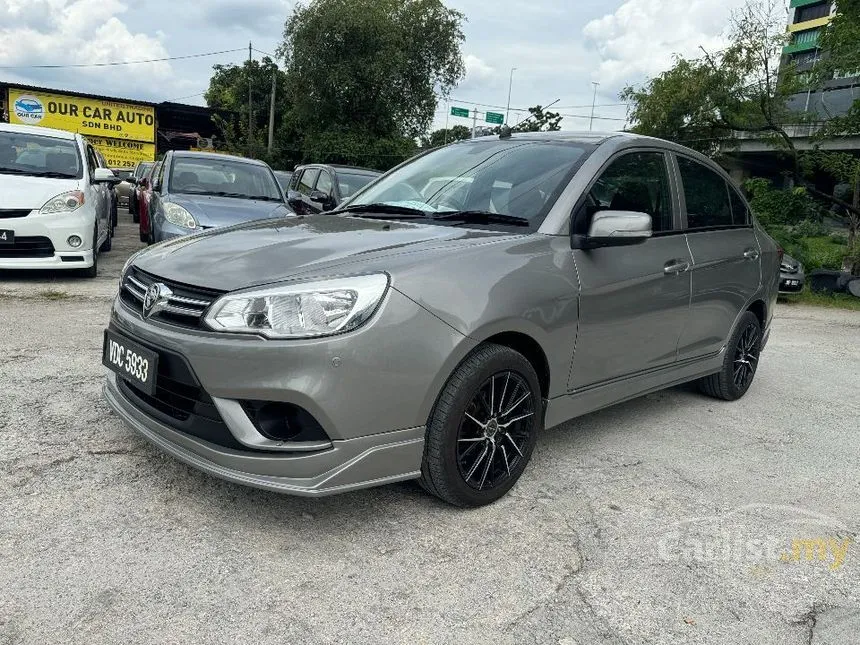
<point>127,62</point>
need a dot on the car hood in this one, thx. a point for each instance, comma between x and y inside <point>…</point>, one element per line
<point>211,211</point>
<point>273,250</point>
<point>21,191</point>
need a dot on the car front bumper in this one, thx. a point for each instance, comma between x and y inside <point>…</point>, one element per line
<point>791,282</point>
<point>57,228</point>
<point>371,392</point>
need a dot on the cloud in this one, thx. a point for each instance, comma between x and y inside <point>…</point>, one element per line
<point>39,32</point>
<point>639,38</point>
<point>254,16</point>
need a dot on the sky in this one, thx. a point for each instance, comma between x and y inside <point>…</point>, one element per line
<point>559,48</point>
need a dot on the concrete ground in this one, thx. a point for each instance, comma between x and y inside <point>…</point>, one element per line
<point>670,519</point>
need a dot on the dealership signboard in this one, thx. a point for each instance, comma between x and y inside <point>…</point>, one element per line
<point>123,132</point>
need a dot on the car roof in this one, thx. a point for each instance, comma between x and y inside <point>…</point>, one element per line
<point>193,154</point>
<point>355,170</point>
<point>38,130</point>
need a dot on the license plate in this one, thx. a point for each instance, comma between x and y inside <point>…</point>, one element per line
<point>7,237</point>
<point>792,283</point>
<point>131,361</point>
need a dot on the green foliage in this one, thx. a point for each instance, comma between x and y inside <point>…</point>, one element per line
<point>703,102</point>
<point>228,91</point>
<point>442,136</point>
<point>776,207</point>
<point>819,252</point>
<point>812,228</point>
<point>371,67</point>
<point>539,120</point>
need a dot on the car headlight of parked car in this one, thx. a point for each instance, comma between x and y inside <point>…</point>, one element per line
<point>175,214</point>
<point>307,310</point>
<point>63,203</point>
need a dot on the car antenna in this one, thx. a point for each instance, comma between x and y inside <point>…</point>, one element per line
<point>506,131</point>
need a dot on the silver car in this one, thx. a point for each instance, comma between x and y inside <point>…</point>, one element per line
<point>442,317</point>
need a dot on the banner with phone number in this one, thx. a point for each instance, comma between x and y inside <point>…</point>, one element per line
<point>123,154</point>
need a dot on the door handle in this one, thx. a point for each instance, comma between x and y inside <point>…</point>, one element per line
<point>751,254</point>
<point>673,267</point>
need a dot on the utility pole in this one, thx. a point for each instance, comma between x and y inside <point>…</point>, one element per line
<point>447,112</point>
<point>474,123</point>
<point>510,86</point>
<point>272,109</point>
<point>250,101</point>
<point>593,101</point>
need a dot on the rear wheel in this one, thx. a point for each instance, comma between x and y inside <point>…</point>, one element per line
<point>739,363</point>
<point>483,428</point>
<point>107,245</point>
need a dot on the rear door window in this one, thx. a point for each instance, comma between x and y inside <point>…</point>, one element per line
<point>706,194</point>
<point>740,212</point>
<point>307,181</point>
<point>324,183</point>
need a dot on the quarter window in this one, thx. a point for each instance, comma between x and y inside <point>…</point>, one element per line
<point>740,212</point>
<point>707,196</point>
<point>306,183</point>
<point>635,182</point>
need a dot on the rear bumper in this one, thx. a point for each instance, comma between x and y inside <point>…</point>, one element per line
<point>350,464</point>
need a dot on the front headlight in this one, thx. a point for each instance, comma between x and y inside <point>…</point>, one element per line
<point>63,203</point>
<point>307,310</point>
<point>175,214</point>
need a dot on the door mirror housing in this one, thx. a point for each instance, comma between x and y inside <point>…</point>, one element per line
<point>105,176</point>
<point>615,228</point>
<point>318,196</point>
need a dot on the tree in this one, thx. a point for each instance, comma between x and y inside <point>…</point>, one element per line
<point>368,71</point>
<point>228,91</point>
<point>539,121</point>
<point>442,136</point>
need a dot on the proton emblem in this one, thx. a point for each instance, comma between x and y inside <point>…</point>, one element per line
<point>155,299</point>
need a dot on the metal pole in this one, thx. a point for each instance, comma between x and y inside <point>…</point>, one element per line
<point>510,86</point>
<point>272,109</point>
<point>447,112</point>
<point>250,104</point>
<point>593,101</point>
<point>474,122</point>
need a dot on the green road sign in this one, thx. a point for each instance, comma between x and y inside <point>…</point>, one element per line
<point>495,117</point>
<point>455,111</point>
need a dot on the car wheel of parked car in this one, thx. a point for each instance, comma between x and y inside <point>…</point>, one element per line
<point>739,363</point>
<point>483,428</point>
<point>107,245</point>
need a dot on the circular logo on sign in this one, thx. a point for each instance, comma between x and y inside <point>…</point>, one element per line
<point>29,109</point>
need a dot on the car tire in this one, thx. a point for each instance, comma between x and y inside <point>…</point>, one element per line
<point>135,217</point>
<point>475,451</point>
<point>144,237</point>
<point>854,287</point>
<point>739,363</point>
<point>93,271</point>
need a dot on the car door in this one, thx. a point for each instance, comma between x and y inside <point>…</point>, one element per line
<point>634,300</point>
<point>726,269</point>
<point>98,193</point>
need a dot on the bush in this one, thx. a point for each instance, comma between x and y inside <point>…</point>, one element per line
<point>779,207</point>
<point>811,228</point>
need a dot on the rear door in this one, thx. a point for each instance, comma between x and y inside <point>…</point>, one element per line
<point>634,300</point>
<point>726,270</point>
<point>304,188</point>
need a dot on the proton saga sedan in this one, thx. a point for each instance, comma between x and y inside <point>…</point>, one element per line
<point>431,334</point>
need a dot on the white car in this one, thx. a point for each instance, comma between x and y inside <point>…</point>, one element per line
<point>55,201</point>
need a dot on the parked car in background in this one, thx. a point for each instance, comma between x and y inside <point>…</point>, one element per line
<point>195,191</point>
<point>54,200</point>
<point>284,177</point>
<point>125,187</point>
<point>791,275</point>
<point>434,336</point>
<point>140,171</point>
<point>315,188</point>
<point>112,195</point>
<point>144,198</point>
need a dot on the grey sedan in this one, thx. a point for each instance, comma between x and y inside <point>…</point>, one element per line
<point>437,322</point>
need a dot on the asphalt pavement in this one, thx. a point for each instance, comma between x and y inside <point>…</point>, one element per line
<point>673,518</point>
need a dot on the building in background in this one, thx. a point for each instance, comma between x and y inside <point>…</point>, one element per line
<point>123,130</point>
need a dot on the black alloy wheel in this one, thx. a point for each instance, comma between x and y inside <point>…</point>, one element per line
<point>740,361</point>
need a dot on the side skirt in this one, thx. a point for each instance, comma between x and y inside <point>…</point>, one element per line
<point>602,395</point>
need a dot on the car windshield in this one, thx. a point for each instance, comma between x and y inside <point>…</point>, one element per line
<point>143,169</point>
<point>39,156</point>
<point>349,182</point>
<point>222,177</point>
<point>505,177</point>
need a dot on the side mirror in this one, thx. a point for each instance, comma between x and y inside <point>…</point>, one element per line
<point>143,182</point>
<point>615,228</point>
<point>105,176</point>
<point>318,196</point>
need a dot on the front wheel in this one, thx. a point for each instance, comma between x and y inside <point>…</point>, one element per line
<point>483,428</point>
<point>739,363</point>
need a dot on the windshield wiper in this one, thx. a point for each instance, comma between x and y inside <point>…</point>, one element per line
<point>222,193</point>
<point>36,173</point>
<point>383,211</point>
<point>481,217</point>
